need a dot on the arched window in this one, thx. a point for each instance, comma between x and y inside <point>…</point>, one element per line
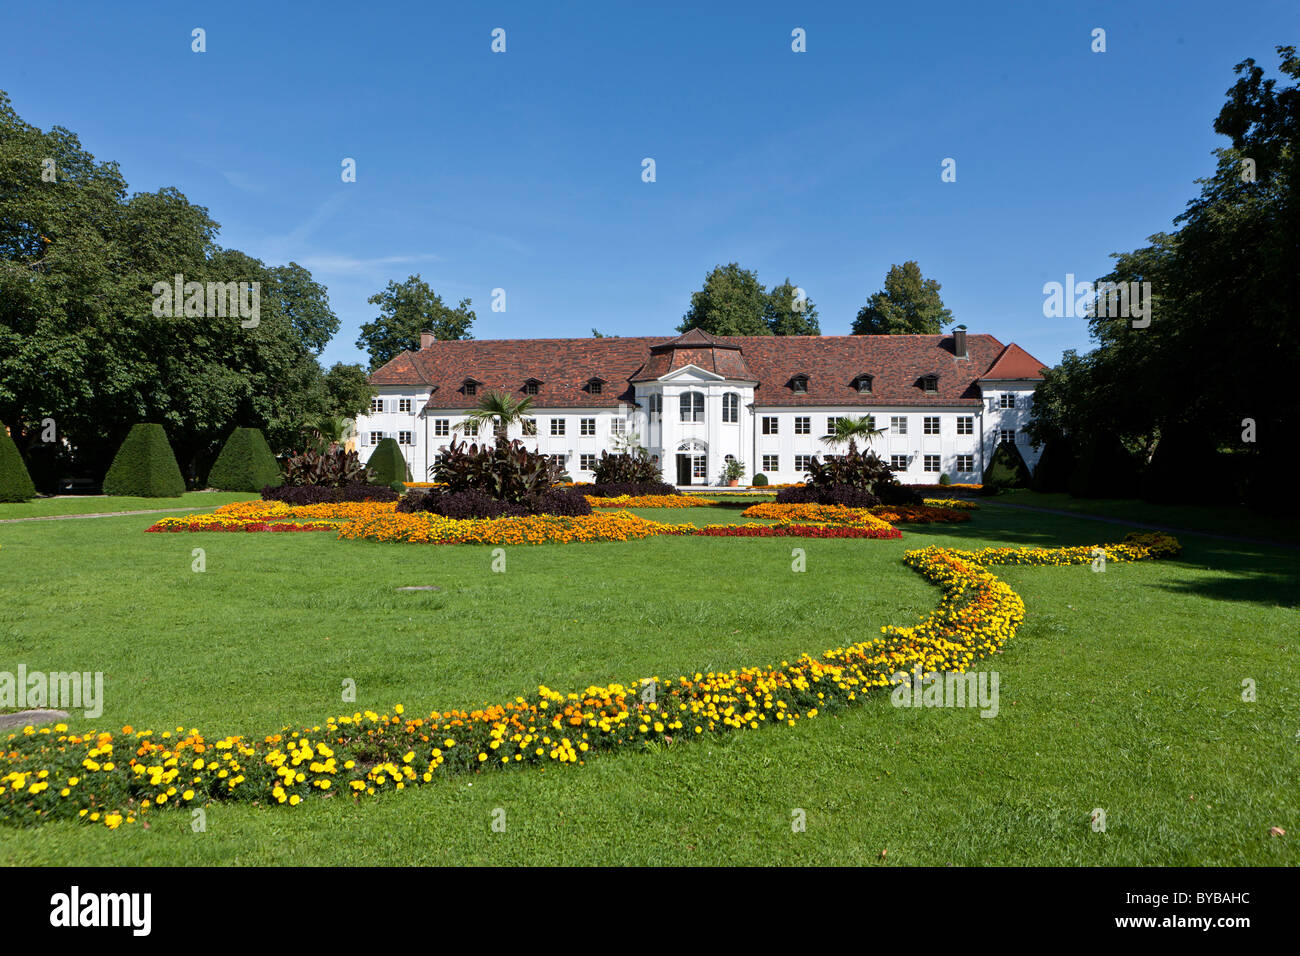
<point>692,406</point>
<point>731,407</point>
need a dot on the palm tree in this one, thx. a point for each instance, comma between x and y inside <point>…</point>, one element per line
<point>500,410</point>
<point>850,429</point>
<point>329,431</point>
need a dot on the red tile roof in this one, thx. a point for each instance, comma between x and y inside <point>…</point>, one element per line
<point>1015,362</point>
<point>896,363</point>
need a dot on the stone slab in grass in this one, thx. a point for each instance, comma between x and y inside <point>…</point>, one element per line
<point>35,718</point>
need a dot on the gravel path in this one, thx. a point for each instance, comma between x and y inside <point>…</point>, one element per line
<point>102,514</point>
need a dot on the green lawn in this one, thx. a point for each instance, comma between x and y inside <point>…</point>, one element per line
<point>1282,525</point>
<point>102,504</point>
<point>1121,691</point>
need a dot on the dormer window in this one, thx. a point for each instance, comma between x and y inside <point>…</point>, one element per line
<point>594,386</point>
<point>799,384</point>
<point>862,383</point>
<point>469,387</point>
<point>930,383</point>
<point>531,386</point>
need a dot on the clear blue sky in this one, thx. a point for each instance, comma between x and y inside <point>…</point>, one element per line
<point>522,170</point>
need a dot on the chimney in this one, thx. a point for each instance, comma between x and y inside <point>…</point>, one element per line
<point>959,342</point>
<point>426,340</point>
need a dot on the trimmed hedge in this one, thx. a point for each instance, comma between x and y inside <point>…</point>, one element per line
<point>387,464</point>
<point>15,482</point>
<point>475,504</point>
<point>327,494</point>
<point>1055,465</point>
<point>637,489</point>
<point>1007,469</point>
<point>246,463</point>
<point>760,480</point>
<point>145,466</point>
<point>844,495</point>
<point>1104,469</point>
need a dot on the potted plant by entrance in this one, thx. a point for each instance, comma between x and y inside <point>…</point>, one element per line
<point>733,472</point>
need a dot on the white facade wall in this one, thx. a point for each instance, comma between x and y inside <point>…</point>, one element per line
<point>664,435</point>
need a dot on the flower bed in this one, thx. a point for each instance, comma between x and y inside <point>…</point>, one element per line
<point>650,501</point>
<point>796,531</point>
<point>421,528</point>
<point>111,779</point>
<point>920,514</point>
<point>958,504</point>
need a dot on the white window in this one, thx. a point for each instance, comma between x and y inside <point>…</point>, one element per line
<point>930,383</point>
<point>802,462</point>
<point>529,426</point>
<point>470,427</point>
<point>898,424</point>
<point>557,426</point>
<point>405,438</point>
<point>771,463</point>
<point>931,425</point>
<point>442,427</point>
<point>692,406</point>
<point>618,426</point>
<point>471,389</point>
<point>931,462</point>
<point>966,464</point>
<point>404,405</point>
<point>830,424</point>
<point>530,388</point>
<point>1007,400</point>
<point>803,425</point>
<point>771,424</point>
<point>587,462</point>
<point>700,466</point>
<point>376,406</point>
<point>1007,434</point>
<point>656,405</point>
<point>731,407</point>
<point>376,437</point>
<point>587,426</point>
<point>966,425</point>
<point>898,462</point>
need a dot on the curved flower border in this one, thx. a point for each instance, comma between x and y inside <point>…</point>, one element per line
<point>115,779</point>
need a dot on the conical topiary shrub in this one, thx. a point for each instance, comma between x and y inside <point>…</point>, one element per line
<point>387,464</point>
<point>1007,469</point>
<point>15,482</point>
<point>246,463</point>
<point>1055,464</point>
<point>144,466</point>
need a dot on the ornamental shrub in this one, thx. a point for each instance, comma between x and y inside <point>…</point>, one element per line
<point>760,480</point>
<point>1006,469</point>
<point>505,470</point>
<point>387,464</point>
<point>145,466</point>
<point>332,468</point>
<point>561,501</point>
<point>636,489</point>
<point>1105,469</point>
<point>845,495</point>
<point>624,468</point>
<point>864,470</point>
<point>246,463</point>
<point>945,480</point>
<point>324,494</point>
<point>15,482</point>
<point>1055,464</point>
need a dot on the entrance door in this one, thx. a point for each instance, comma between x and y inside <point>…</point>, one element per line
<point>683,469</point>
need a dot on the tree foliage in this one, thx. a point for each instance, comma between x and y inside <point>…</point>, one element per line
<point>405,310</point>
<point>79,340</point>
<point>1223,310</point>
<point>908,304</point>
<point>734,302</point>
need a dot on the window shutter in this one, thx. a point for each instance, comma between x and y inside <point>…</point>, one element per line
<point>365,439</point>
<point>414,435</point>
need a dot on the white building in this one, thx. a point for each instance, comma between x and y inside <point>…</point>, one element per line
<point>699,400</point>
